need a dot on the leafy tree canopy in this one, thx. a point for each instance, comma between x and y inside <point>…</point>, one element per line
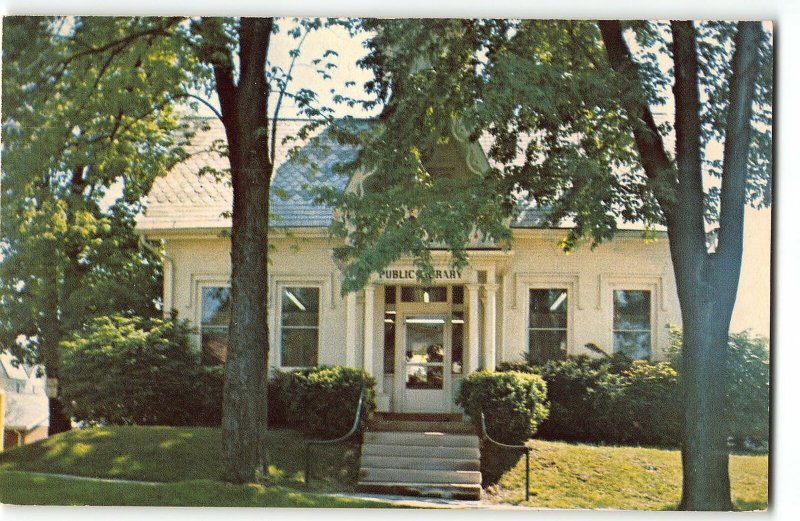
<point>87,113</point>
<point>561,122</point>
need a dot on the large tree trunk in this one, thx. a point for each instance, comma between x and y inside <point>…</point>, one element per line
<point>244,106</point>
<point>704,454</point>
<point>706,282</point>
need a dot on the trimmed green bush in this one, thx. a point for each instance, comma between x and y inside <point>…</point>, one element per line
<point>322,400</point>
<point>128,370</point>
<point>581,391</point>
<point>648,410</point>
<point>514,403</point>
<point>613,400</point>
<point>279,397</point>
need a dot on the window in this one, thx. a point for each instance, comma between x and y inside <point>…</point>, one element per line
<point>457,343</point>
<point>632,334</point>
<point>389,318</point>
<point>216,315</point>
<point>547,325</point>
<point>299,326</point>
<point>423,294</point>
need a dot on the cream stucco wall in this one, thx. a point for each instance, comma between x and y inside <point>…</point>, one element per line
<point>199,261</point>
<point>627,262</point>
<point>535,261</point>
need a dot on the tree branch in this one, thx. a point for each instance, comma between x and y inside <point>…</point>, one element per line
<point>738,132</point>
<point>159,30</point>
<point>655,161</point>
<point>281,93</point>
<point>691,201</point>
<point>211,107</point>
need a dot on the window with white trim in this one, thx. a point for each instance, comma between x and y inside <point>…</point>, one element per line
<point>299,326</point>
<point>214,320</point>
<point>632,325</point>
<point>547,324</point>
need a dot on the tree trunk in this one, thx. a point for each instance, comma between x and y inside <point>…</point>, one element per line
<point>704,454</point>
<point>51,358</point>
<point>706,282</point>
<point>244,410</point>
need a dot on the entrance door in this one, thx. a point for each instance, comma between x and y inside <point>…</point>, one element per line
<point>424,358</point>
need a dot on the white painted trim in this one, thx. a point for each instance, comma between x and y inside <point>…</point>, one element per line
<point>570,282</point>
<point>297,281</point>
<point>611,282</point>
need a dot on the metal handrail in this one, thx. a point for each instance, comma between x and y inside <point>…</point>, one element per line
<point>515,447</point>
<point>353,430</point>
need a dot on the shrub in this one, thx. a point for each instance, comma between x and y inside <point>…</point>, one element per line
<point>130,370</point>
<point>747,408</point>
<point>206,402</point>
<point>279,397</point>
<point>514,403</point>
<point>322,401</point>
<point>611,400</point>
<point>648,409</point>
<point>581,390</point>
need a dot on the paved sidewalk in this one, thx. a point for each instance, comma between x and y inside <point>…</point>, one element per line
<point>431,502</point>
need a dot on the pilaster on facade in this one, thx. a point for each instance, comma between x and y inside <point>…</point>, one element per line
<point>351,331</point>
<point>473,334</point>
<point>369,334</point>
<point>489,325</point>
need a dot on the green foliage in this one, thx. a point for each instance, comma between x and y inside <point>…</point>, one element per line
<point>647,409</point>
<point>580,390</point>
<point>611,400</point>
<point>87,110</point>
<point>513,403</point>
<point>129,370</point>
<point>559,120</point>
<point>320,401</point>
<point>747,406</point>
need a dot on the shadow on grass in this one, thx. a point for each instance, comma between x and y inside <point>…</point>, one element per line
<point>132,452</point>
<point>496,461</point>
<point>171,454</point>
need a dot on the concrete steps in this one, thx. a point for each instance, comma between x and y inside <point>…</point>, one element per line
<point>422,456</point>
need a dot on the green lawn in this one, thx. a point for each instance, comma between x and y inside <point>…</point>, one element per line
<point>187,460</point>
<point>565,475</point>
<point>22,488</point>
<point>175,454</point>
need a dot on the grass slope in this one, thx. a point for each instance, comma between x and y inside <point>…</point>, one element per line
<point>21,488</point>
<point>565,475</point>
<point>169,454</point>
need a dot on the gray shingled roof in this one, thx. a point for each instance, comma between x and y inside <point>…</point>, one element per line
<point>187,199</point>
<point>197,193</point>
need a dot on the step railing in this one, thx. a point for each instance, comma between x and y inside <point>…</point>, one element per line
<point>514,447</point>
<point>350,433</point>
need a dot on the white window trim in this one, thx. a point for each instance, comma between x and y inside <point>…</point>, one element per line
<point>524,282</point>
<point>609,284</point>
<point>278,285</point>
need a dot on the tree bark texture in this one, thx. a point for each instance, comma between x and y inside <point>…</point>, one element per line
<point>51,357</point>
<point>706,282</point>
<point>244,111</point>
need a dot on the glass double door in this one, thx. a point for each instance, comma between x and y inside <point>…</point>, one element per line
<point>424,356</point>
